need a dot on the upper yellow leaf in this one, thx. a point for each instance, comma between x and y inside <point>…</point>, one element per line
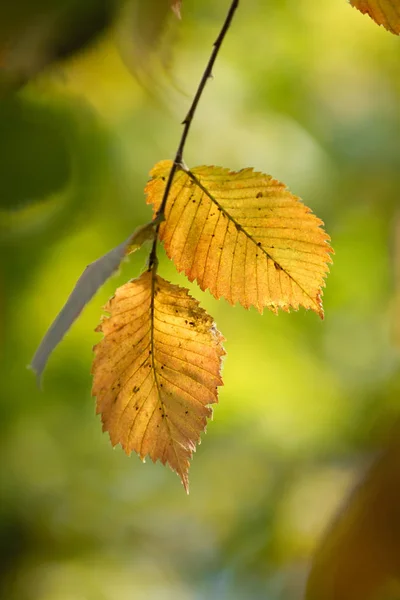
<point>156,371</point>
<point>383,12</point>
<point>243,236</point>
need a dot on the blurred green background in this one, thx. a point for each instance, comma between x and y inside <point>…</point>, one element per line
<point>306,91</point>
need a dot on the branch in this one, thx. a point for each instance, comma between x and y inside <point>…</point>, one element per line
<point>187,123</point>
<point>99,271</point>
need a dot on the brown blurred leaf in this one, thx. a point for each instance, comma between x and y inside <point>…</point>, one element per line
<point>176,7</point>
<point>383,12</point>
<point>156,371</point>
<point>243,236</point>
<point>360,554</point>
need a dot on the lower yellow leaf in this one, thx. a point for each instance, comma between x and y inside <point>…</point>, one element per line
<point>383,12</point>
<point>156,371</point>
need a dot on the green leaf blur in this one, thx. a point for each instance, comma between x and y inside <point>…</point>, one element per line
<point>307,91</point>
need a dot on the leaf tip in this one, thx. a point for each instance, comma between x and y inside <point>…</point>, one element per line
<point>38,374</point>
<point>185,482</point>
<point>320,311</point>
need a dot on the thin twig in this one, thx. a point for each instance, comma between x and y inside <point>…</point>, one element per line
<point>187,123</point>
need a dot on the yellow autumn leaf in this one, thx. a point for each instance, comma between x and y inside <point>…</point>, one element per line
<point>383,12</point>
<point>243,236</point>
<point>156,371</point>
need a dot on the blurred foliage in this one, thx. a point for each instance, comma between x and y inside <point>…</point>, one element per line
<point>358,558</point>
<point>306,91</point>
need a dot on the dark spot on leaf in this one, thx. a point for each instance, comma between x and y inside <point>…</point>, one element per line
<point>277,267</point>
<point>191,323</point>
<point>136,407</point>
<point>259,195</point>
<point>135,389</point>
<point>258,243</point>
<point>163,178</point>
<point>186,412</point>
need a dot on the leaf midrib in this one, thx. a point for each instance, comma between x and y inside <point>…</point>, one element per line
<point>182,473</point>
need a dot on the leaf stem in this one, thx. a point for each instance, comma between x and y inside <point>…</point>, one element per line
<point>178,161</point>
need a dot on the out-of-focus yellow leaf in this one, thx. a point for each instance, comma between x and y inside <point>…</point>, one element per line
<point>360,555</point>
<point>156,371</point>
<point>383,12</point>
<point>147,37</point>
<point>243,236</point>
